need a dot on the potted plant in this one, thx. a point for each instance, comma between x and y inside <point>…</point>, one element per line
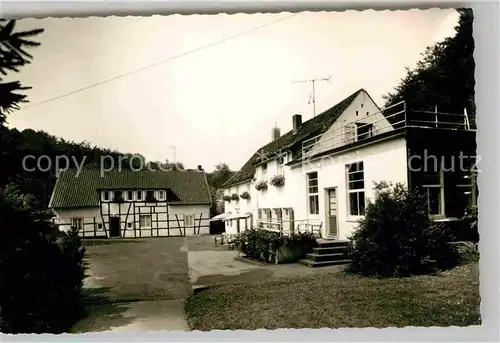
<point>245,195</point>
<point>277,181</point>
<point>261,185</point>
<point>235,197</point>
<point>226,198</point>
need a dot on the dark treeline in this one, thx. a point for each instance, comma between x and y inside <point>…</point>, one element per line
<point>29,145</point>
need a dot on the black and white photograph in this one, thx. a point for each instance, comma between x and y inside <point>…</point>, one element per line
<point>239,172</point>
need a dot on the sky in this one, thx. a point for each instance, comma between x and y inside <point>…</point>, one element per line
<point>147,84</point>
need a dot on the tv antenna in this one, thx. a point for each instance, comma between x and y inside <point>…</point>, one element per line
<point>312,97</point>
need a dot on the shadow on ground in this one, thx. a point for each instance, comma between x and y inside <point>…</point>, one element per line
<point>100,312</point>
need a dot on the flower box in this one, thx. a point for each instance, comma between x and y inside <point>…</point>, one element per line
<point>261,185</point>
<point>226,198</point>
<point>245,195</point>
<point>235,197</point>
<point>277,181</point>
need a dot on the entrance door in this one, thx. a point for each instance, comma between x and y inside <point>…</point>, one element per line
<point>114,227</point>
<point>332,212</point>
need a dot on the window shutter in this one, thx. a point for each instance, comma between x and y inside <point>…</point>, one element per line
<point>349,133</point>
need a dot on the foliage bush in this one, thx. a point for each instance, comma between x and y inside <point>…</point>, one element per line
<point>397,237</point>
<point>263,244</point>
<point>226,198</point>
<point>261,185</point>
<point>235,197</point>
<point>277,181</point>
<point>467,252</point>
<point>41,269</point>
<point>245,195</point>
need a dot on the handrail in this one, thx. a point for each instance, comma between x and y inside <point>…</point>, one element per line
<point>347,134</point>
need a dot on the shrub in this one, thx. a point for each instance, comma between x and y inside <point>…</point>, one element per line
<point>226,198</point>
<point>261,185</point>
<point>245,195</point>
<point>41,269</point>
<point>277,181</point>
<point>397,236</point>
<point>263,244</point>
<point>235,197</point>
<point>467,252</point>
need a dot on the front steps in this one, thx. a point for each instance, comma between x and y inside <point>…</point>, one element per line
<point>327,253</point>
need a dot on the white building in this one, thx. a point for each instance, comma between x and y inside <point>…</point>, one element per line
<point>126,203</point>
<point>329,164</point>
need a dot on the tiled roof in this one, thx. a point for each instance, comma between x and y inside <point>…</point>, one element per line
<point>313,127</point>
<point>72,190</point>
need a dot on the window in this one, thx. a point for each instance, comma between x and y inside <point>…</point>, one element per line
<point>433,186</point>
<point>264,170</point>
<point>313,192</point>
<point>145,221</point>
<point>150,196</point>
<point>130,195</point>
<point>160,195</point>
<point>363,131</point>
<point>259,216</point>
<point>467,191</point>
<point>139,195</point>
<point>269,215</point>
<point>357,112</point>
<point>106,195</point>
<point>99,226</point>
<point>356,189</point>
<point>117,196</point>
<point>189,220</point>
<point>280,162</point>
<point>279,214</point>
<point>129,225</point>
<point>76,224</point>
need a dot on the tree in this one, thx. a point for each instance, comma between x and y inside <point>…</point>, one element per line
<point>13,55</point>
<point>445,75</point>
<point>216,179</point>
<point>220,175</point>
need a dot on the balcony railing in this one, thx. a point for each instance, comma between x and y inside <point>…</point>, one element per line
<point>383,121</point>
<point>287,227</point>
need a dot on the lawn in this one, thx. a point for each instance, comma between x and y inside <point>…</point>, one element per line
<point>337,300</point>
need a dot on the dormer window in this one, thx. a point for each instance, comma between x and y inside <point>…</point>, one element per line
<point>139,195</point>
<point>363,131</point>
<point>130,195</point>
<point>161,194</point>
<point>105,195</point>
<point>117,196</point>
<point>150,196</point>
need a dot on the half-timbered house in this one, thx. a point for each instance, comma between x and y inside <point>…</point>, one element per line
<point>128,203</point>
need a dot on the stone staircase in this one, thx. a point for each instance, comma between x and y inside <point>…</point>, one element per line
<point>327,253</point>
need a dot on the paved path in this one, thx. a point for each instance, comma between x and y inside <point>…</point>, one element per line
<point>211,265</point>
<point>136,285</point>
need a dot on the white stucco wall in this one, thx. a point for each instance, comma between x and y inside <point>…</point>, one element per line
<point>362,109</point>
<point>383,161</point>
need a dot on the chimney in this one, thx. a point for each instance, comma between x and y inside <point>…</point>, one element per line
<point>200,168</point>
<point>276,133</point>
<point>297,121</point>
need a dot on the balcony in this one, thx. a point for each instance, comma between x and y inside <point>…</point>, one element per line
<point>382,122</point>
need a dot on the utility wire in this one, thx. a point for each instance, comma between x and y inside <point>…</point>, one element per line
<point>159,63</point>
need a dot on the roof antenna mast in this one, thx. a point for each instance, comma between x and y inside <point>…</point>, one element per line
<point>313,97</point>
